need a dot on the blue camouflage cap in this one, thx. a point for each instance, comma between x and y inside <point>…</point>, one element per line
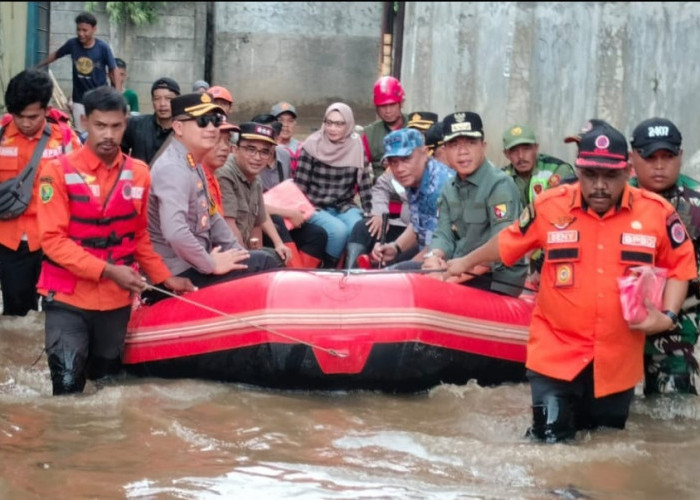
<point>402,142</point>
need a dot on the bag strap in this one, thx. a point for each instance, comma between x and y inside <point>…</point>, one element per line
<point>29,171</point>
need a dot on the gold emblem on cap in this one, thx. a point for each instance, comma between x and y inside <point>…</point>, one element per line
<point>516,131</point>
<point>205,98</point>
<point>415,117</point>
<point>459,117</point>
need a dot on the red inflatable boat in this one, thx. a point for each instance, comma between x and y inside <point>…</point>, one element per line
<point>333,330</point>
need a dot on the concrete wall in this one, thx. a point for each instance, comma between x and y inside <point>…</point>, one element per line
<point>13,29</point>
<point>554,65</point>
<point>309,53</point>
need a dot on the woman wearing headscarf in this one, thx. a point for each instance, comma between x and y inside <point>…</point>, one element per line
<point>331,169</point>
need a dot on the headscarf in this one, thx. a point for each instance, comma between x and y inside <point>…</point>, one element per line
<point>348,152</point>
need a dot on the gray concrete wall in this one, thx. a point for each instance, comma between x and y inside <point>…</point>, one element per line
<point>554,65</point>
<point>309,53</point>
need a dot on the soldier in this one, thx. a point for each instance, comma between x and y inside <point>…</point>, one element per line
<point>656,156</point>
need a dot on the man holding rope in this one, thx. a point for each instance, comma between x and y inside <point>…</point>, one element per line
<point>92,221</point>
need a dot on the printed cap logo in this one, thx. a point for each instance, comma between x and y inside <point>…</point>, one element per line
<point>602,142</point>
<point>516,131</point>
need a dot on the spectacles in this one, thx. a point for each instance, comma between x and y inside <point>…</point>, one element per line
<point>204,120</point>
<point>331,123</point>
<point>252,151</point>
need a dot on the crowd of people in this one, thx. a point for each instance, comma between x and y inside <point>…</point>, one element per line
<point>122,203</point>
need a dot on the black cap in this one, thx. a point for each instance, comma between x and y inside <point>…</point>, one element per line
<point>194,105</point>
<point>433,136</point>
<point>254,131</point>
<point>462,123</point>
<point>654,134</point>
<point>165,83</point>
<point>421,120</point>
<point>266,118</point>
<point>602,146</point>
<point>585,128</point>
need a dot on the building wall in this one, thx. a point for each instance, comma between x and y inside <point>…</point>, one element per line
<point>13,29</point>
<point>554,65</point>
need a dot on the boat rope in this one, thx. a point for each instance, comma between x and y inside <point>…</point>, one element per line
<point>332,352</point>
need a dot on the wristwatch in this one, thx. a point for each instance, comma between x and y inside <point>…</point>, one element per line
<point>674,318</point>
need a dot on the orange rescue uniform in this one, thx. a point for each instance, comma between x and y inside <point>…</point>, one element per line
<point>91,291</point>
<point>214,189</point>
<point>578,316</point>
<point>15,152</point>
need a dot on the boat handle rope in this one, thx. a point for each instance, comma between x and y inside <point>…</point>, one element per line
<point>332,352</point>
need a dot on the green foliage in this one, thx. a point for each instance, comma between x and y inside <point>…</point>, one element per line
<point>136,12</point>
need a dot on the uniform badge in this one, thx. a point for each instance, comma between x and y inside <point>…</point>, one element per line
<point>554,180</point>
<point>190,160</point>
<point>564,275</point>
<point>676,230</point>
<point>205,98</point>
<point>500,211</point>
<point>126,191</point>
<point>205,219</point>
<point>562,222</point>
<point>46,192</point>
<point>537,188</point>
<point>527,217</point>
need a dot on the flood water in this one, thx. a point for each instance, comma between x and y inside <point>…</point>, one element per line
<point>161,439</point>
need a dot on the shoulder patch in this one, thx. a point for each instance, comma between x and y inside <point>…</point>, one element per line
<point>527,217</point>
<point>45,192</point>
<point>676,230</point>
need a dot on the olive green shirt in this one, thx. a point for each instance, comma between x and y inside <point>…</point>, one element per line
<point>474,209</point>
<point>375,133</point>
<point>241,199</point>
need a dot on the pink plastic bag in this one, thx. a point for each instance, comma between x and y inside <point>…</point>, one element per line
<point>641,282</point>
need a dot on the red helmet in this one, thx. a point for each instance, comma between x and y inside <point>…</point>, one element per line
<point>388,90</point>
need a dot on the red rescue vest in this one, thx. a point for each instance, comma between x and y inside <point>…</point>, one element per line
<point>107,232</point>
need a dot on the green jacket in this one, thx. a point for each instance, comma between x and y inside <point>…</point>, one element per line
<point>474,209</point>
<point>375,133</point>
<point>548,172</point>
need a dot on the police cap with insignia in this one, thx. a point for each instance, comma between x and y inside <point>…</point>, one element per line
<point>194,105</point>
<point>421,120</point>
<point>462,124</point>
<point>602,146</point>
<point>656,134</point>
<point>434,135</point>
<point>253,131</point>
<point>585,128</point>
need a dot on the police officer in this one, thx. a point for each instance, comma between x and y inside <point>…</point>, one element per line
<point>183,221</point>
<point>656,156</point>
<point>475,205</point>
<point>532,172</point>
<point>583,358</point>
<point>388,100</point>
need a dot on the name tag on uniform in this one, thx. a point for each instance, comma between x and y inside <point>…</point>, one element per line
<point>8,151</point>
<point>136,192</point>
<point>562,237</point>
<point>51,152</point>
<point>639,240</point>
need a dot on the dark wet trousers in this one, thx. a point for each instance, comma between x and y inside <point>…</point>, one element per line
<point>19,272</point>
<point>83,344</point>
<point>361,242</point>
<point>560,408</point>
<point>259,260</point>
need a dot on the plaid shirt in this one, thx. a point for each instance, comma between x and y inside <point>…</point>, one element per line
<point>333,187</point>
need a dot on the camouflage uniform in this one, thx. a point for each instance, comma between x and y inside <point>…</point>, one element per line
<point>548,172</point>
<point>669,363</point>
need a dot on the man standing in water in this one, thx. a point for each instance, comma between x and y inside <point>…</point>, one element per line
<point>583,367</point>
<point>92,222</point>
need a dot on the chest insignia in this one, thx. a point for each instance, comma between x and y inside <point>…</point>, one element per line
<point>563,222</point>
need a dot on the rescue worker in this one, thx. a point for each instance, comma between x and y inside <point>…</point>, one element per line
<point>222,97</point>
<point>184,224</point>
<point>532,172</point>
<point>583,358</point>
<point>474,205</point>
<point>656,156</point>
<point>92,221</point>
<point>388,100</point>
<point>28,138</point>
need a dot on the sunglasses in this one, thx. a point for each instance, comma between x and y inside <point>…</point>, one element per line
<point>204,120</point>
